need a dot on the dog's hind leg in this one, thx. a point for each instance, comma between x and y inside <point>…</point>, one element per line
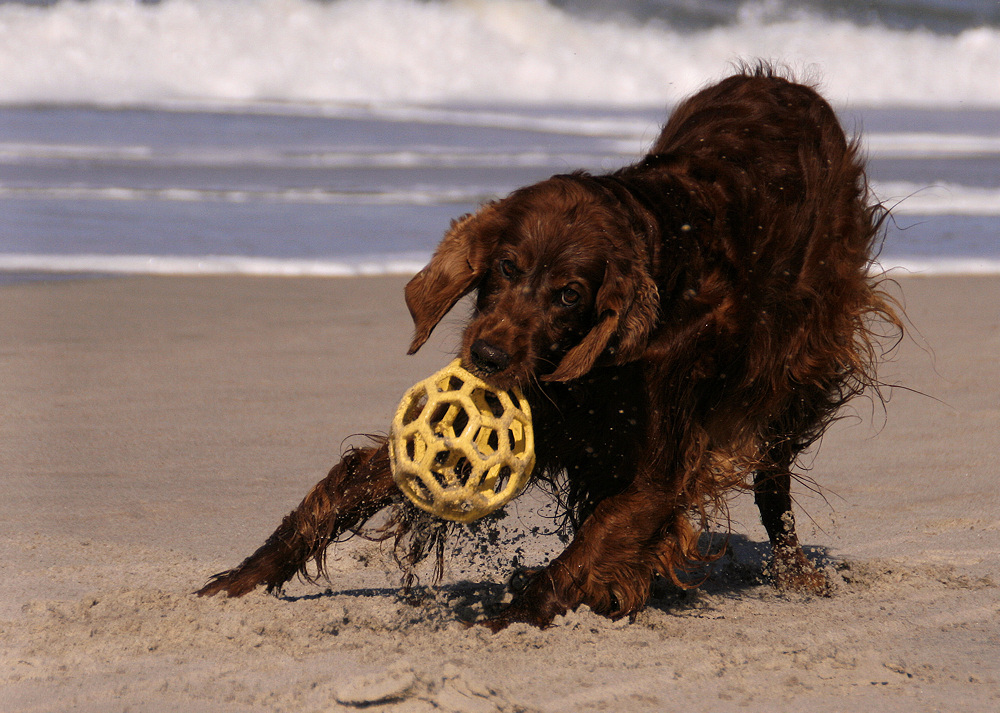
<point>790,567</point>
<point>356,488</point>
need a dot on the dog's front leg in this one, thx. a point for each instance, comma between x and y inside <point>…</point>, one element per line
<point>609,565</point>
<point>354,490</point>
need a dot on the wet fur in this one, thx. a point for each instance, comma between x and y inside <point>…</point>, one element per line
<point>684,327</point>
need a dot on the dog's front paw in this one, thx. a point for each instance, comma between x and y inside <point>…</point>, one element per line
<point>520,611</point>
<point>520,578</point>
<point>536,602</point>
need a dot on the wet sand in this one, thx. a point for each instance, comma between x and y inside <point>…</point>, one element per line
<point>155,431</point>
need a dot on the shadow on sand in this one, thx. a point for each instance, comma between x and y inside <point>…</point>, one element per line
<point>740,569</point>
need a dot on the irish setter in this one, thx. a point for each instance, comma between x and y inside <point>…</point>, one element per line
<point>683,327</point>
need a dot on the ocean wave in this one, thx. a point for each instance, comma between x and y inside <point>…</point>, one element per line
<point>904,198</point>
<point>315,196</point>
<point>950,16</point>
<point>877,145</point>
<point>404,264</point>
<point>930,145</point>
<point>223,157</point>
<point>363,266</point>
<point>119,52</point>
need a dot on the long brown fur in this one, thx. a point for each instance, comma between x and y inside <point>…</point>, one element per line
<point>683,327</point>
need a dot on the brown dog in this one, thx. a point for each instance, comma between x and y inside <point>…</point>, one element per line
<point>682,327</point>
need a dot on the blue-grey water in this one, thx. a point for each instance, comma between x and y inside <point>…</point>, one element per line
<point>341,136</point>
<point>367,190</point>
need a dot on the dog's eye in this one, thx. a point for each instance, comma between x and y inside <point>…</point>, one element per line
<point>508,269</point>
<point>569,296</point>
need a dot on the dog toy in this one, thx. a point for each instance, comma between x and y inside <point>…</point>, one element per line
<point>460,449</point>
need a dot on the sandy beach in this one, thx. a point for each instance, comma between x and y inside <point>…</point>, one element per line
<point>155,430</point>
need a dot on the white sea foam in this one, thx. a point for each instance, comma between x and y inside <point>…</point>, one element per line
<point>942,266</point>
<point>222,157</point>
<point>391,51</point>
<point>931,145</point>
<point>406,264</point>
<point>905,198</point>
<point>625,140</point>
<point>209,265</point>
<point>315,196</point>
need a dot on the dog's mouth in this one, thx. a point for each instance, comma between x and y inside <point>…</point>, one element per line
<point>495,365</point>
<point>505,367</point>
<point>501,381</point>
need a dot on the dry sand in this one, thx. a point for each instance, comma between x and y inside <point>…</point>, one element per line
<point>155,430</point>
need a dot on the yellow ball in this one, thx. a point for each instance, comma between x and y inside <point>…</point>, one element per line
<point>460,449</point>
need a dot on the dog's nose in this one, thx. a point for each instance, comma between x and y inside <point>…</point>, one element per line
<point>488,359</point>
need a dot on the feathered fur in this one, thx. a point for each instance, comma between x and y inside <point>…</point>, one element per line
<point>683,327</point>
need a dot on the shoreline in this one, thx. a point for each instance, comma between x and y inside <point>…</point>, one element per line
<point>20,267</point>
<point>156,430</point>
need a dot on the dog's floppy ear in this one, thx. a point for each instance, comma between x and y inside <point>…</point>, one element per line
<point>627,309</point>
<point>455,269</point>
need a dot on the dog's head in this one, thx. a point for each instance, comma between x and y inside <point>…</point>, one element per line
<point>562,282</point>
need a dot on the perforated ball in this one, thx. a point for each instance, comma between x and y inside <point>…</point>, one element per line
<point>460,449</point>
